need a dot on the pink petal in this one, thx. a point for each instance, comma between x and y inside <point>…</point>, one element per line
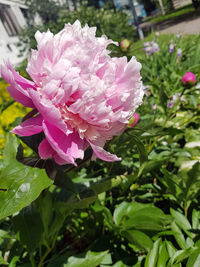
<point>18,85</point>
<point>102,154</point>
<point>29,127</point>
<point>47,152</point>
<point>68,147</point>
<point>49,112</point>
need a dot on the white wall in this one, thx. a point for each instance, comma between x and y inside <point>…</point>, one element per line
<point>8,49</point>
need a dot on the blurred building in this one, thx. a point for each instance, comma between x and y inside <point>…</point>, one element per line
<point>124,4</point>
<point>12,20</point>
<point>178,3</point>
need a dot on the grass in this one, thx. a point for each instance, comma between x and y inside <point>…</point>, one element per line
<point>189,9</point>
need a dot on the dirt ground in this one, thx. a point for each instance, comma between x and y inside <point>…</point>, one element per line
<point>184,27</point>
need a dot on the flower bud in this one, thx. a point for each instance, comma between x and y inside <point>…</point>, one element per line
<point>133,121</point>
<point>188,78</point>
<point>124,44</point>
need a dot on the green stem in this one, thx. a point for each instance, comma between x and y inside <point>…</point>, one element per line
<point>32,260</point>
<point>44,257</point>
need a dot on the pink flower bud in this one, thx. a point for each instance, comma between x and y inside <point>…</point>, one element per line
<point>189,78</point>
<point>134,120</point>
<point>124,44</point>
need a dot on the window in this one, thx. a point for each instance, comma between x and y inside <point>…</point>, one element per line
<point>8,20</point>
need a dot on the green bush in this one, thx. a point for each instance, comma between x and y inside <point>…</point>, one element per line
<point>142,211</point>
<point>114,24</point>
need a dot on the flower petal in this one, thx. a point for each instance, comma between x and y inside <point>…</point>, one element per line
<point>49,112</point>
<point>18,85</point>
<point>29,127</point>
<point>68,147</point>
<point>102,154</point>
<point>47,152</point>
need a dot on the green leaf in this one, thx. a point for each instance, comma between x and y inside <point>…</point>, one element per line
<point>141,148</point>
<point>193,182</point>
<point>152,255</point>
<point>91,259</point>
<point>139,239</point>
<point>195,219</point>
<point>20,184</point>
<point>28,225</point>
<point>194,260</point>
<point>2,261</point>
<point>10,150</point>
<point>163,256</point>
<point>45,208</point>
<point>170,248</point>
<point>181,221</point>
<point>180,255</point>
<point>171,181</point>
<point>120,211</point>
<point>13,262</point>
<point>178,236</point>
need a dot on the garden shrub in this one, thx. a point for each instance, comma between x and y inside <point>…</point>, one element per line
<point>142,211</point>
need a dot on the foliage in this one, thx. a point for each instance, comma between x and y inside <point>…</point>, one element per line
<point>104,19</point>
<point>47,10</point>
<point>180,12</point>
<point>142,211</point>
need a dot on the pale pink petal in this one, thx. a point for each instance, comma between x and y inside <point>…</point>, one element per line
<point>102,154</point>
<point>29,127</point>
<point>49,112</point>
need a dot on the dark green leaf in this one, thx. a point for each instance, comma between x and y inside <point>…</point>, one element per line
<point>29,225</point>
<point>139,239</point>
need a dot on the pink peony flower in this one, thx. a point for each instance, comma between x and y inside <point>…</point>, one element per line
<point>189,78</point>
<point>124,44</point>
<point>134,120</point>
<point>82,95</point>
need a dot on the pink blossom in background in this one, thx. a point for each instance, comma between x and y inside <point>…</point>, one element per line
<point>189,78</point>
<point>82,95</point>
<point>124,44</point>
<point>134,120</point>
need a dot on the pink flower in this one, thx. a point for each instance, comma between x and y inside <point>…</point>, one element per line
<point>124,44</point>
<point>189,78</point>
<point>134,120</point>
<point>82,95</point>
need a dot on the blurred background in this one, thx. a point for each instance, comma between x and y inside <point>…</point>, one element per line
<point>20,19</point>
